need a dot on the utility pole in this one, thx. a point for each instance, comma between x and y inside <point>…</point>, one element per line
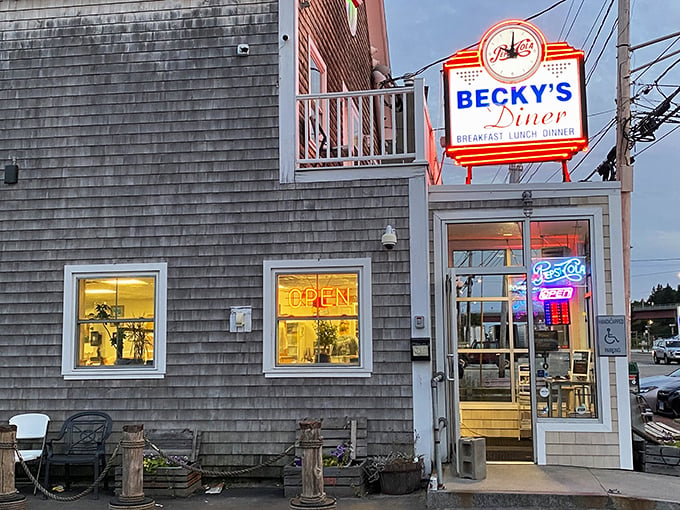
<point>624,168</point>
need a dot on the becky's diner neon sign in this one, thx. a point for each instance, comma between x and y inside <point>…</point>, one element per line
<point>558,271</point>
<point>539,117</point>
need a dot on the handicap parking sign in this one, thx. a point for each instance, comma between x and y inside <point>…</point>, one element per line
<point>611,335</point>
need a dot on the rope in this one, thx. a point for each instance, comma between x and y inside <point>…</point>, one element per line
<point>218,474</point>
<point>78,496</point>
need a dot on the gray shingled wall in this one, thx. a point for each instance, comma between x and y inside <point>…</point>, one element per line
<point>141,137</point>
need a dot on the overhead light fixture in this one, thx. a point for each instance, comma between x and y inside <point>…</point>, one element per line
<point>527,203</point>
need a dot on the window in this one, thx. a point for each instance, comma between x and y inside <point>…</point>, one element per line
<point>317,318</point>
<point>114,321</point>
<point>317,85</point>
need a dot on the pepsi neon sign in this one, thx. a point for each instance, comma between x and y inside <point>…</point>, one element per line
<point>558,271</point>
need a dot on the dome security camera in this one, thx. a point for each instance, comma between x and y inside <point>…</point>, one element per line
<point>389,238</point>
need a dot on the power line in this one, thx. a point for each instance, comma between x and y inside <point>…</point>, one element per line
<point>670,259</point>
<point>444,59</point>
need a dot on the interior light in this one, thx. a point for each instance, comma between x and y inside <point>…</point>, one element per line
<point>124,281</point>
<point>99,291</point>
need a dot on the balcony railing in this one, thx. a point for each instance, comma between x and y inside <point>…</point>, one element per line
<point>389,126</point>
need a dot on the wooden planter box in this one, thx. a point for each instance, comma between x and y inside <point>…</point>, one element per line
<point>172,481</point>
<point>339,482</point>
<point>663,460</point>
<point>401,478</point>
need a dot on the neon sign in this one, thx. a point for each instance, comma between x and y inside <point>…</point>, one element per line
<point>541,116</point>
<point>558,270</point>
<point>552,293</point>
<point>322,298</point>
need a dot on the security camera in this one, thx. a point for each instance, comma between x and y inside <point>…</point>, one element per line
<point>389,238</point>
<point>243,50</point>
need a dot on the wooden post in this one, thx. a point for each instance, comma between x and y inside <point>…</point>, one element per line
<point>313,496</point>
<point>10,498</point>
<point>132,492</point>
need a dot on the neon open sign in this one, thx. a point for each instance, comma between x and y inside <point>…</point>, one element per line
<point>322,297</point>
<point>555,293</point>
<point>555,271</point>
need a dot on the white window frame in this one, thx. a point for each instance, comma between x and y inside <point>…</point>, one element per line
<point>72,273</point>
<point>362,266</point>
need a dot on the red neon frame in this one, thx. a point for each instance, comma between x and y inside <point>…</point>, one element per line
<point>520,152</point>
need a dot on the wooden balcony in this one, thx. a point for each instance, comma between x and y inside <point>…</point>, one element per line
<point>364,130</point>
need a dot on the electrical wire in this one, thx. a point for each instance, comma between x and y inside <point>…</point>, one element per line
<point>444,59</point>
<point>656,141</point>
<point>599,29</point>
<point>599,56</point>
<point>592,27</point>
<point>578,11</point>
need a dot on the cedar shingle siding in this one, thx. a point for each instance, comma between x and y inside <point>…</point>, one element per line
<point>142,137</point>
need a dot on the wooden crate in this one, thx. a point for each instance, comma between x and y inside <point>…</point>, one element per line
<point>172,481</point>
<point>663,460</point>
<point>339,482</point>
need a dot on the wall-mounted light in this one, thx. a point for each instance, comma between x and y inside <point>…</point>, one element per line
<point>527,203</point>
<point>389,238</point>
<point>11,173</point>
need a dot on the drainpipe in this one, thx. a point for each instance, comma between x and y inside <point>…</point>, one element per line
<point>436,423</point>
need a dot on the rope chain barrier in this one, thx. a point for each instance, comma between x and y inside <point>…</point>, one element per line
<point>218,474</point>
<point>67,499</point>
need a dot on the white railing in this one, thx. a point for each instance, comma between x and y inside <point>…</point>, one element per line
<point>389,126</point>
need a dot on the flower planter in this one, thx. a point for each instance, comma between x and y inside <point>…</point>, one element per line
<point>401,478</point>
<point>339,482</point>
<point>662,460</point>
<point>172,481</point>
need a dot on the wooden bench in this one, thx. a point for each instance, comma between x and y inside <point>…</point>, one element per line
<point>338,481</point>
<point>171,480</point>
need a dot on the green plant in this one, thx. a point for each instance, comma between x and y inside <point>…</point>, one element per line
<point>139,338</point>
<point>327,335</point>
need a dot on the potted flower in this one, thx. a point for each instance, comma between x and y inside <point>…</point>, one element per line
<point>398,472</point>
<point>342,476</point>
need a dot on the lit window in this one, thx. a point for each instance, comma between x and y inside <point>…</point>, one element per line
<point>317,318</point>
<point>114,321</point>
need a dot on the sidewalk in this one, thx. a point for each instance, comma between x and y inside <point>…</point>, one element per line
<point>507,486</point>
<point>558,487</point>
<point>260,498</point>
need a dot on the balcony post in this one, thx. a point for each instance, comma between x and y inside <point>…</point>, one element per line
<point>419,126</point>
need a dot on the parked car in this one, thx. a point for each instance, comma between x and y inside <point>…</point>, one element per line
<point>668,399</point>
<point>667,350</point>
<point>484,358</point>
<point>650,385</point>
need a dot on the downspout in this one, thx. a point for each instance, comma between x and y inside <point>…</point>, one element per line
<point>437,424</point>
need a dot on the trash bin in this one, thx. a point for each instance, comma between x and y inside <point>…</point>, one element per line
<point>633,377</point>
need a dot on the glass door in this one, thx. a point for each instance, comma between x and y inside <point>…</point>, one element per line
<point>490,331</point>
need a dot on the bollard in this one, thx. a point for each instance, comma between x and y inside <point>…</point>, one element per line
<point>313,496</point>
<point>10,498</point>
<point>132,490</point>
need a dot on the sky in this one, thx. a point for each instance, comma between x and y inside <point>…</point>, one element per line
<point>423,32</point>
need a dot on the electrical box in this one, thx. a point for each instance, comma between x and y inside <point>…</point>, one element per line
<point>420,349</point>
<point>240,319</point>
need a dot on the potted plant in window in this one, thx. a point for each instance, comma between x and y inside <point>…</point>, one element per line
<point>327,336</point>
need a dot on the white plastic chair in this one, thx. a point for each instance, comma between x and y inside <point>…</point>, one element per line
<point>31,427</point>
